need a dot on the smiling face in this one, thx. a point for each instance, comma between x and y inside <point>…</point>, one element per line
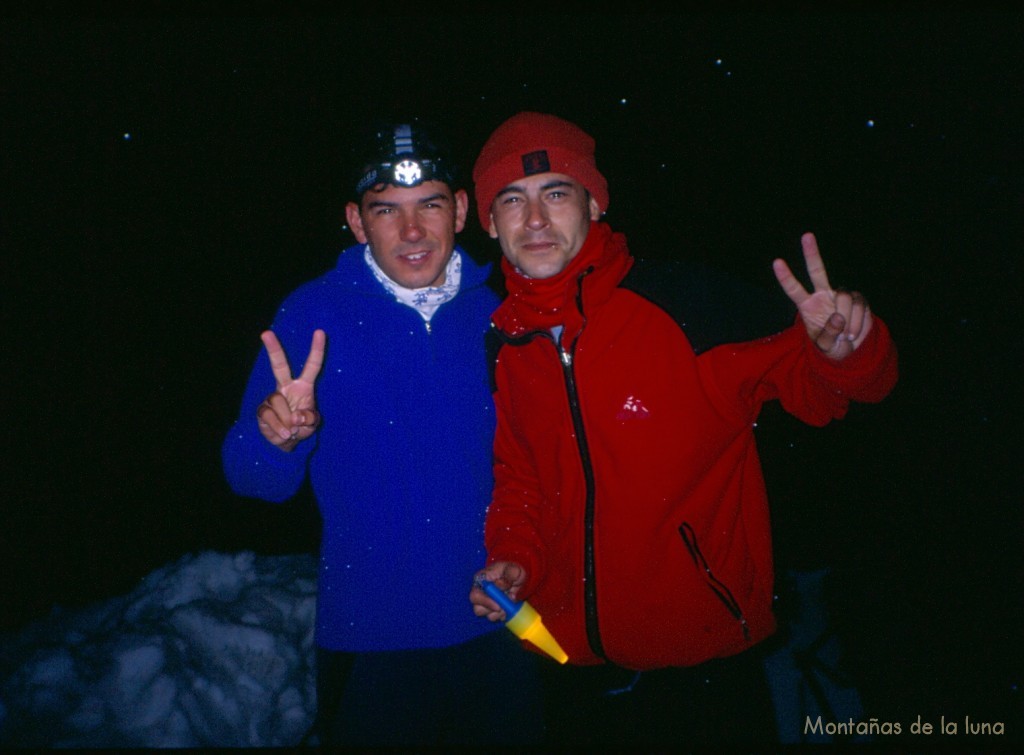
<point>411,231</point>
<point>541,222</point>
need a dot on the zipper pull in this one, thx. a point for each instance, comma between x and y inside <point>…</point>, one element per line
<point>566,356</point>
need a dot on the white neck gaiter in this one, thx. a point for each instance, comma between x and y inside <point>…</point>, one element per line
<point>424,300</point>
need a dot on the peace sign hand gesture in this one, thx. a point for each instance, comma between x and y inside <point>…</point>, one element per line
<point>837,321</point>
<point>288,415</point>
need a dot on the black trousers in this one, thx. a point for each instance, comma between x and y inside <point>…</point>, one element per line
<point>485,692</point>
<point>721,702</point>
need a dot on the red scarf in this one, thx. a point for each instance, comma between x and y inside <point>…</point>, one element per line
<point>541,304</point>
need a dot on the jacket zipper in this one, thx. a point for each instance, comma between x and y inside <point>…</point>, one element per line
<point>589,561</point>
<point>589,565</point>
<point>718,588</point>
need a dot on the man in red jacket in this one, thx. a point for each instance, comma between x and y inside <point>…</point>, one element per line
<point>629,504</point>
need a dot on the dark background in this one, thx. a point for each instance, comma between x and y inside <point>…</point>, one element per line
<point>138,271</point>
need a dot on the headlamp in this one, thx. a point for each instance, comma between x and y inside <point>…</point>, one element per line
<point>406,160</point>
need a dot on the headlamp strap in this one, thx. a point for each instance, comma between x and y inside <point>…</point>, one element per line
<point>403,139</point>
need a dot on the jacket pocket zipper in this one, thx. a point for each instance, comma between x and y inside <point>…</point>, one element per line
<point>718,588</point>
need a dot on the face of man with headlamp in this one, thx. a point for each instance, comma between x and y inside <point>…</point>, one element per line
<point>409,215</point>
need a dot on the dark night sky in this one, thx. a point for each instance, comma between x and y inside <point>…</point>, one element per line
<point>137,273</point>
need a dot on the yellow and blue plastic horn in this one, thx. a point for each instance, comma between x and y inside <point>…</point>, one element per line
<point>524,621</point>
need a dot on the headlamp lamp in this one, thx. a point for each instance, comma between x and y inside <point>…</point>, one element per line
<point>405,161</point>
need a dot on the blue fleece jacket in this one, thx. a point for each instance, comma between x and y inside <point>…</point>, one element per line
<point>401,464</point>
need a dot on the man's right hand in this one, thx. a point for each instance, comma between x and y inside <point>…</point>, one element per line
<point>288,415</point>
<point>507,576</point>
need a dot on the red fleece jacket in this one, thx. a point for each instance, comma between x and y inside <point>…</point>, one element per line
<point>627,480</point>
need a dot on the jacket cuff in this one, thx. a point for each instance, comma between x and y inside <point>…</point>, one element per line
<point>867,374</point>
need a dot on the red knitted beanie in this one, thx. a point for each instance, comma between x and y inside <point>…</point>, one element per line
<point>529,143</point>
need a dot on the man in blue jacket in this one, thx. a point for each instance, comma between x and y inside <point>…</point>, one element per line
<point>392,419</point>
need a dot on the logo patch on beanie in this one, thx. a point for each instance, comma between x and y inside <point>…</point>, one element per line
<point>536,162</point>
